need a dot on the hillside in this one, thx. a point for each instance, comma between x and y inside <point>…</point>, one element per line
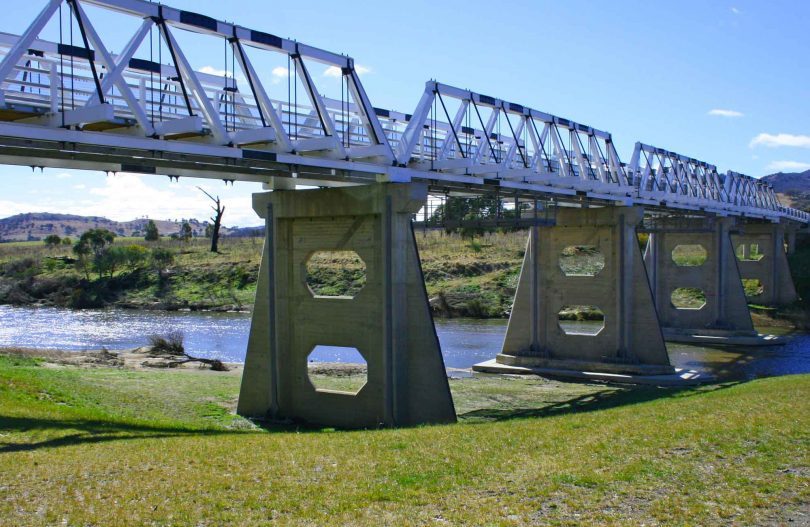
<point>793,188</point>
<point>36,226</point>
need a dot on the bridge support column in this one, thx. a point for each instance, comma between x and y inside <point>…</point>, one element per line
<point>630,341</point>
<point>724,317</point>
<point>761,252</point>
<point>388,321</point>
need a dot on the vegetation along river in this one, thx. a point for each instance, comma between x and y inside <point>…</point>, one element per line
<point>224,336</point>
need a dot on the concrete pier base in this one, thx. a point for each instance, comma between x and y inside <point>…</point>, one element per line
<point>724,318</point>
<point>762,256</point>
<point>630,342</point>
<point>709,337</point>
<point>388,321</point>
<point>679,376</point>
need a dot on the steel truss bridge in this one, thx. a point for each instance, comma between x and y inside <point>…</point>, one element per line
<point>70,102</point>
<point>75,104</point>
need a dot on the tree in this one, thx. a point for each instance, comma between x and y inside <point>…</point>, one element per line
<point>82,252</point>
<point>95,243</point>
<point>67,241</point>
<point>185,231</point>
<point>152,233</point>
<point>110,260</point>
<point>161,259</point>
<point>219,210</point>
<point>135,256</point>
<point>52,240</point>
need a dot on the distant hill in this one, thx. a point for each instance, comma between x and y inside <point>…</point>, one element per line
<point>36,226</point>
<point>793,188</point>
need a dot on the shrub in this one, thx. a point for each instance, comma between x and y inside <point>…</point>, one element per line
<point>52,240</point>
<point>171,343</point>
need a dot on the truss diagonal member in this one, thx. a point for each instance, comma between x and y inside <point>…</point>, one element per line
<point>410,137</point>
<point>367,114</point>
<point>327,124</point>
<point>266,107</point>
<point>20,47</point>
<point>116,70</point>
<point>539,143</point>
<point>455,124</point>
<point>195,86</point>
<point>487,139</point>
<point>516,146</point>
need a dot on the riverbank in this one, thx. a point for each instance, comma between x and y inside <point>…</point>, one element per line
<point>464,278</point>
<point>101,445</point>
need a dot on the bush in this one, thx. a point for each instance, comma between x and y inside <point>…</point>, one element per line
<point>171,343</point>
<point>52,240</point>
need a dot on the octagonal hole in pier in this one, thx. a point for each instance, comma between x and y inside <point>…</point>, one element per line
<point>337,369</point>
<point>749,252</point>
<point>581,320</point>
<point>689,255</point>
<point>688,298</point>
<point>340,274</point>
<point>753,287</point>
<point>581,260</point>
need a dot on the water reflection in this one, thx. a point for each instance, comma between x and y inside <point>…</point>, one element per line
<point>224,336</point>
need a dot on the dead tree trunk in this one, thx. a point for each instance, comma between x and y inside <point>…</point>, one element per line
<point>219,210</point>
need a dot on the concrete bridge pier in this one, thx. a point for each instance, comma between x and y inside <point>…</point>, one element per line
<point>691,259</point>
<point>388,321</point>
<point>630,341</point>
<point>761,253</point>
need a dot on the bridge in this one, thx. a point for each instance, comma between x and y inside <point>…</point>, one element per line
<point>342,174</point>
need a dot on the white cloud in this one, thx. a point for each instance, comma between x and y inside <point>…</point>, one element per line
<point>775,141</point>
<point>725,113</point>
<point>735,11</point>
<point>335,72</point>
<point>210,70</point>
<point>332,71</point>
<point>279,73</point>
<point>63,175</point>
<point>782,166</point>
<point>124,197</point>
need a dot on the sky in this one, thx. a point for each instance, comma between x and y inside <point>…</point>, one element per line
<point>724,82</point>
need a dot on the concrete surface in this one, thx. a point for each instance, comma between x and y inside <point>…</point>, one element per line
<point>388,321</point>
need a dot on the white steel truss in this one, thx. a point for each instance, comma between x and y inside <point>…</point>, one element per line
<point>674,179</point>
<point>104,112</point>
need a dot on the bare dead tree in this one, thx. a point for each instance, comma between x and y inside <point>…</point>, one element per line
<point>219,210</point>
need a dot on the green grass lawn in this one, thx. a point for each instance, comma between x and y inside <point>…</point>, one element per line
<point>110,446</point>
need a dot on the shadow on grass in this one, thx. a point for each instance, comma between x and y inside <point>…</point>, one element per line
<point>608,398</point>
<point>83,431</point>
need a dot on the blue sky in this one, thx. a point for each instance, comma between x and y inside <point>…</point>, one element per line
<point>725,82</point>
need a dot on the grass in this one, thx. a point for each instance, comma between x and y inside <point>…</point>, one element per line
<point>117,447</point>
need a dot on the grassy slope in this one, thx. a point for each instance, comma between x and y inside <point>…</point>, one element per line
<point>108,447</point>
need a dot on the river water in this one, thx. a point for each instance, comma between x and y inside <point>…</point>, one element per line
<point>224,336</point>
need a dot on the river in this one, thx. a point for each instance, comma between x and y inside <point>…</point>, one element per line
<point>224,336</point>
